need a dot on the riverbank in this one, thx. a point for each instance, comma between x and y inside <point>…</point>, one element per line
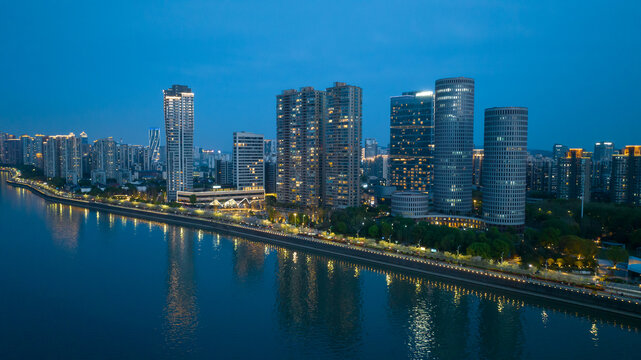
<point>519,284</point>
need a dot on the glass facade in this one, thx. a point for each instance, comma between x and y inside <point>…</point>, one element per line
<point>412,141</point>
<point>454,142</point>
<point>505,166</point>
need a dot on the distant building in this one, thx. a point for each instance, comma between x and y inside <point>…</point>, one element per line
<point>154,146</point>
<point>224,169</point>
<point>626,176</point>
<point>179,132</point>
<point>63,157</point>
<point>371,148</point>
<point>454,142</point>
<point>539,173</point>
<point>104,160</point>
<point>505,162</point>
<point>412,141</point>
<point>271,173</point>
<point>558,151</point>
<point>248,160</point>
<point>574,175</point>
<point>12,151</point>
<point>602,166</point>
<point>477,167</point>
<point>341,143</point>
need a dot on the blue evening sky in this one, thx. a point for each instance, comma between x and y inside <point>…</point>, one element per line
<point>100,66</point>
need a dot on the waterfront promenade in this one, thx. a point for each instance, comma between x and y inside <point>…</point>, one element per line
<point>589,297</point>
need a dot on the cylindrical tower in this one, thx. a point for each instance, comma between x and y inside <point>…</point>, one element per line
<point>453,142</point>
<point>505,167</point>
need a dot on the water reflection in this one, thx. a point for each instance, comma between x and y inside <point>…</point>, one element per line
<point>64,225</point>
<point>248,259</point>
<point>181,311</point>
<point>310,305</point>
<point>318,301</point>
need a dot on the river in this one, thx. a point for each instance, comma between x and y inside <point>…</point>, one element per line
<point>76,283</point>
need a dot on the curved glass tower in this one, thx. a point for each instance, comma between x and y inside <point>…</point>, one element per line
<point>505,166</point>
<point>453,142</point>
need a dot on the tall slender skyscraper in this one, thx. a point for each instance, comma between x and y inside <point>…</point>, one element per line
<point>154,145</point>
<point>505,166</point>
<point>454,142</point>
<point>248,160</point>
<point>412,141</point>
<point>299,122</point>
<point>341,142</point>
<point>179,130</point>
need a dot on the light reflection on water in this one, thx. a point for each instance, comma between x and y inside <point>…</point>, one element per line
<point>200,294</point>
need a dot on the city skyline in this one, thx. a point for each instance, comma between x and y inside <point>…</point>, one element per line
<point>226,60</point>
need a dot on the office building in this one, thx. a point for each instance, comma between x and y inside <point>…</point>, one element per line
<point>248,161</point>
<point>341,143</point>
<point>179,132</point>
<point>299,121</point>
<point>505,167</point>
<point>412,141</point>
<point>453,139</point>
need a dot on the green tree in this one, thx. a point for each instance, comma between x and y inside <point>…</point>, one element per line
<point>192,199</point>
<point>479,249</point>
<point>386,229</point>
<point>373,231</point>
<point>617,255</point>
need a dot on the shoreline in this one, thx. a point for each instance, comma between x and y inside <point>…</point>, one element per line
<point>515,284</point>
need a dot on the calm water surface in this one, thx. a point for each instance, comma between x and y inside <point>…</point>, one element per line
<point>82,284</point>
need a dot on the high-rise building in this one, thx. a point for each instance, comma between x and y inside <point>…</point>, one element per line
<point>154,145</point>
<point>271,173</point>
<point>454,142</point>
<point>574,175</point>
<point>71,154</point>
<point>341,143</point>
<point>27,150</point>
<point>224,171</point>
<point>271,149</point>
<point>626,176</point>
<point>38,151</point>
<point>248,160</point>
<point>539,173</point>
<point>477,167</point>
<point>412,141</point>
<point>12,151</point>
<point>505,166</point>
<point>104,160</point>
<point>63,157</point>
<point>51,155</point>
<point>179,132</point>
<point>299,122</point>
<point>371,148</point>
<point>602,166</point>
<point>558,151</point>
